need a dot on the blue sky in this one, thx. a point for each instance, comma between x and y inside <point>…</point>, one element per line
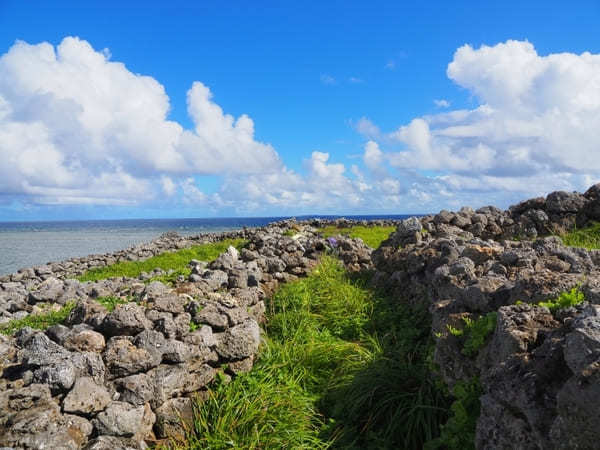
<point>353,106</point>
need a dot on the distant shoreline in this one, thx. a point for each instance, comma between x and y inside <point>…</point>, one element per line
<point>31,244</point>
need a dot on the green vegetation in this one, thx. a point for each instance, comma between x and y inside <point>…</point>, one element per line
<point>588,237</point>
<point>342,367</point>
<point>459,432</point>
<point>564,300</point>
<point>372,236</point>
<point>289,233</point>
<point>38,321</point>
<point>111,301</point>
<point>176,261</point>
<point>475,332</point>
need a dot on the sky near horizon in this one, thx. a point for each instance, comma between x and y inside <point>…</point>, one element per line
<point>272,108</point>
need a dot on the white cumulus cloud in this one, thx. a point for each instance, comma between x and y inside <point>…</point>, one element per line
<point>77,127</point>
<point>535,128</point>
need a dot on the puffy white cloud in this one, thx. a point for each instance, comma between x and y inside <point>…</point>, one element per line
<point>168,186</point>
<point>535,129</point>
<point>71,119</point>
<point>77,128</point>
<point>373,156</point>
<point>367,128</point>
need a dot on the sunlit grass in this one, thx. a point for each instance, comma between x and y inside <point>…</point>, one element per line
<point>177,261</point>
<point>588,237</point>
<point>372,236</point>
<point>342,367</point>
<point>41,321</point>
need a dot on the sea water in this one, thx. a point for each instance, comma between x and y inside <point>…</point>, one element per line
<point>27,244</point>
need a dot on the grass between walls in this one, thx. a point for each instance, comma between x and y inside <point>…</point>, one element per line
<point>342,367</point>
<point>372,236</point>
<point>588,237</point>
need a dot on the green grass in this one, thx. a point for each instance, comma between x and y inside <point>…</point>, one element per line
<point>111,302</point>
<point>372,236</point>
<point>459,432</point>
<point>564,300</point>
<point>474,334</point>
<point>342,367</point>
<point>177,261</point>
<point>588,237</point>
<point>38,321</point>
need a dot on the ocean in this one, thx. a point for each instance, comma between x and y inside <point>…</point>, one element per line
<point>26,244</point>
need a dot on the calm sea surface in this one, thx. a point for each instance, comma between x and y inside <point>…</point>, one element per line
<point>26,244</point>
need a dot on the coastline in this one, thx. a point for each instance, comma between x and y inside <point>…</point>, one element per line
<point>512,311</point>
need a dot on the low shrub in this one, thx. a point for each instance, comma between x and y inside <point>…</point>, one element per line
<point>459,432</point>
<point>564,300</point>
<point>474,334</point>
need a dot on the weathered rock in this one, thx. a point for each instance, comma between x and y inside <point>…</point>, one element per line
<point>126,320</point>
<point>87,311</point>
<point>59,376</point>
<point>85,341</point>
<point>124,420</point>
<point>30,418</point>
<point>564,202</point>
<point>114,443</point>
<point>240,341</point>
<point>173,417</point>
<point>123,358</point>
<point>48,291</point>
<point>169,303</point>
<point>583,343</point>
<point>212,316</point>
<point>86,398</point>
<point>215,279</point>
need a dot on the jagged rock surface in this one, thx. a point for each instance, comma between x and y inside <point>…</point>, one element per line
<point>539,371</point>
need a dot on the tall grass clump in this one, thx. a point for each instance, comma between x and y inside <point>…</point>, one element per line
<point>588,237</point>
<point>342,367</point>
<point>177,261</point>
<point>372,236</point>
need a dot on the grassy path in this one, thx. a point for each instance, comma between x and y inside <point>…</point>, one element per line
<point>342,367</point>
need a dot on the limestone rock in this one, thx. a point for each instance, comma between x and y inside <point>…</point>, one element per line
<point>86,397</point>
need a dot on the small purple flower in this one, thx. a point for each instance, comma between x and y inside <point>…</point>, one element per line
<point>332,241</point>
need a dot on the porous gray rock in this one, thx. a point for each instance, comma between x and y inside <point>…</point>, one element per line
<point>240,341</point>
<point>125,320</point>
<point>215,279</point>
<point>121,419</point>
<point>174,417</point>
<point>85,341</point>
<point>123,358</point>
<point>86,397</point>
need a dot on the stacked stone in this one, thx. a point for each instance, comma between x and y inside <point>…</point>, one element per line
<point>118,379</point>
<point>540,372</point>
<point>53,283</point>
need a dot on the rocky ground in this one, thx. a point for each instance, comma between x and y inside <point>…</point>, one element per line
<point>120,379</point>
